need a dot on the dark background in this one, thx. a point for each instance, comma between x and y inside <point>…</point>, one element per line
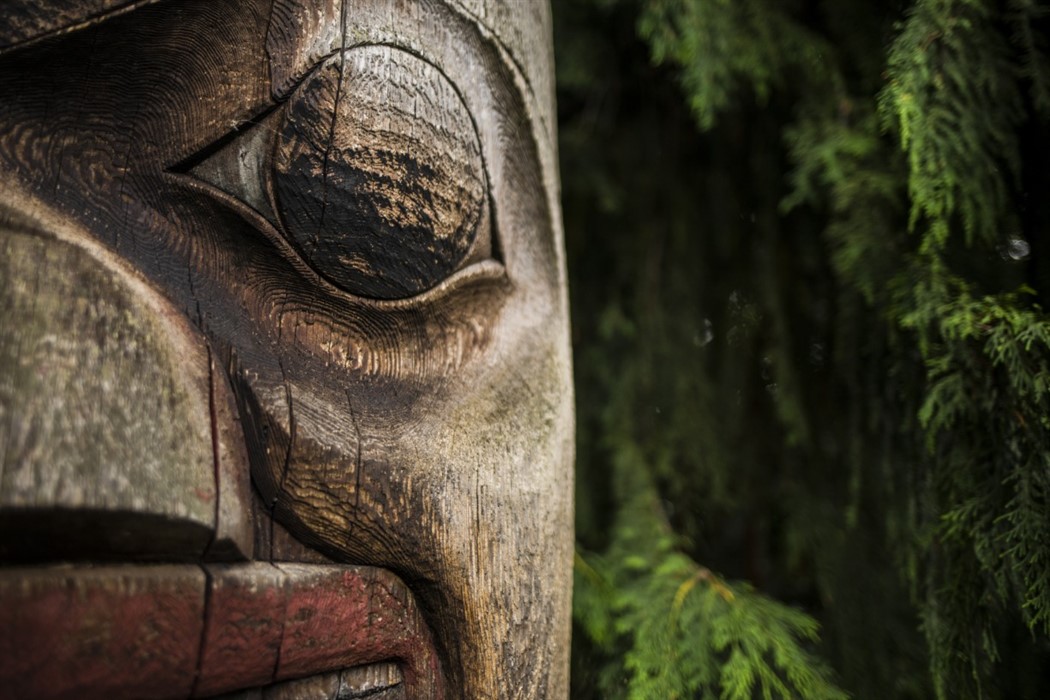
<point>811,353</point>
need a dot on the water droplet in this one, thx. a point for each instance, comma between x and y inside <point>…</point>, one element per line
<point>1015,248</point>
<point>703,338</point>
<point>816,354</point>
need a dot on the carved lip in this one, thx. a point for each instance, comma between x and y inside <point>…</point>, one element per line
<point>177,631</point>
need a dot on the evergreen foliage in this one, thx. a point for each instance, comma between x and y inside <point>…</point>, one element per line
<point>686,628</point>
<point>811,346</point>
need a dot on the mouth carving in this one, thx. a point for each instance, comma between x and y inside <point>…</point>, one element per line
<point>176,631</point>
<point>380,681</point>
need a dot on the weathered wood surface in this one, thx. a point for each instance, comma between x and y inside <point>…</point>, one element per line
<point>326,234</point>
<point>105,416</point>
<point>399,164</point>
<point>182,631</point>
<point>379,681</point>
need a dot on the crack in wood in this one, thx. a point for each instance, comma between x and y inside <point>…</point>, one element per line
<point>357,465</point>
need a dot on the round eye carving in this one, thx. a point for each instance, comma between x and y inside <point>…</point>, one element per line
<point>377,173</point>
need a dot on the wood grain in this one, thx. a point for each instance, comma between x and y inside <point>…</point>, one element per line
<point>29,20</point>
<point>411,412</point>
<point>97,416</point>
<point>59,643</point>
<point>378,173</point>
<point>181,631</point>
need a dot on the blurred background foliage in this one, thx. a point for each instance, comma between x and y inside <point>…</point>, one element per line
<point>808,250</point>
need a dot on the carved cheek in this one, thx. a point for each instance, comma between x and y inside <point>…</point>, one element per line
<point>378,177</point>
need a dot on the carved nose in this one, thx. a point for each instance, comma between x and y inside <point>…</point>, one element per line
<point>119,443</point>
<point>115,440</point>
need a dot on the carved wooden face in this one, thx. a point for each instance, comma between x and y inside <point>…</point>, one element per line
<point>284,370</point>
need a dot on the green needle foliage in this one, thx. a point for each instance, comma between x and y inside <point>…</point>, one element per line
<point>807,257</point>
<point>678,626</point>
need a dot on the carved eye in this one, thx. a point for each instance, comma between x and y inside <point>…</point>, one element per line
<point>372,171</point>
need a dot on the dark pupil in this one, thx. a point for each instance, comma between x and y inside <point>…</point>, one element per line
<point>378,173</point>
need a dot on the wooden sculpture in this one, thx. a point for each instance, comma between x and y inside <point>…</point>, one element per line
<point>285,397</point>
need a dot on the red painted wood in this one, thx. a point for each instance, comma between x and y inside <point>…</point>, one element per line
<point>244,627</point>
<point>150,632</point>
<point>118,632</point>
<point>352,616</point>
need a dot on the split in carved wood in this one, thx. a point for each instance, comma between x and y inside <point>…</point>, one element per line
<point>285,397</point>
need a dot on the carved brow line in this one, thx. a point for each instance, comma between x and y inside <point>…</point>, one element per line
<point>46,31</point>
<point>494,36</point>
<point>489,34</point>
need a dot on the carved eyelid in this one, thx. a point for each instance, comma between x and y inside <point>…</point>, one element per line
<point>372,171</point>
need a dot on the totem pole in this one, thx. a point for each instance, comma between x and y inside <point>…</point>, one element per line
<point>285,391</point>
